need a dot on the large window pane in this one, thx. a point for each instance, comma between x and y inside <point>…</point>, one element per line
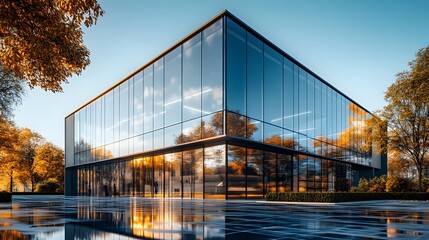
<point>158,85</point>
<point>173,174</point>
<point>138,103</point>
<point>143,175</point>
<point>192,78</point>
<point>212,92</point>
<point>270,172</point>
<point>214,172</point>
<point>148,99</point>
<point>236,125</point>
<point>116,114</point>
<point>236,69</point>
<point>310,106</point>
<point>284,171</point>
<point>272,135</point>
<point>273,78</point>
<point>303,111</point>
<point>77,132</point>
<point>254,130</point>
<point>288,93</point>
<point>173,89</point>
<point>123,110</point>
<point>148,141</point>
<point>255,64</point>
<point>236,172</point>
<point>193,173</point>
<point>158,139</point>
<point>191,131</point>
<point>317,116</point>
<point>212,125</point>
<point>172,135</point>
<point>254,173</point>
<point>158,175</point>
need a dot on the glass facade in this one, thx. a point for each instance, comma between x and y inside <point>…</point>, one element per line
<point>163,105</point>
<point>216,172</point>
<point>286,104</point>
<point>222,115</point>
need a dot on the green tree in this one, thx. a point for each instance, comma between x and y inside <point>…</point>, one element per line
<point>11,92</point>
<point>41,41</point>
<point>406,116</point>
<point>49,162</point>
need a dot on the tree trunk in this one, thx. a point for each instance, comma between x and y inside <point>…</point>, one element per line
<point>419,170</point>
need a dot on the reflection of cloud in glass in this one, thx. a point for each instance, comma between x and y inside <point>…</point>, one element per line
<point>148,91</point>
<point>217,96</point>
<point>188,97</point>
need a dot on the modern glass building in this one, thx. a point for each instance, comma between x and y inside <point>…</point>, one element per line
<point>223,114</point>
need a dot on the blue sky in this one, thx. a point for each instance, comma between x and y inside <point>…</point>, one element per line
<point>357,46</point>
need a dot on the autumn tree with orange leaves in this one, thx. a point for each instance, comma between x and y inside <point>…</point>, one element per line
<point>406,116</point>
<point>41,41</point>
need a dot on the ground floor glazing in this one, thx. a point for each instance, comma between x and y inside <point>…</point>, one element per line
<point>215,172</point>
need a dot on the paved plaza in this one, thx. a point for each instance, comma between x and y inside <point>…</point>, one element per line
<point>59,217</point>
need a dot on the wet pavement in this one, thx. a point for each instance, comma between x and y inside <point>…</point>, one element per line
<point>58,217</point>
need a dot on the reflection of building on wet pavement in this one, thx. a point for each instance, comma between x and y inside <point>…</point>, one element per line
<point>224,114</point>
<point>58,217</point>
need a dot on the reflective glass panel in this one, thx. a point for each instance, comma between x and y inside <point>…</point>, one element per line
<point>158,175</point>
<point>254,130</point>
<point>236,125</point>
<point>214,172</point>
<point>236,172</point>
<point>270,172</point>
<point>212,125</point>
<point>138,103</point>
<point>254,173</point>
<point>173,89</point>
<point>148,99</point>
<point>173,174</point>
<point>255,63</point>
<point>192,78</point>
<point>236,68</point>
<point>212,90</point>
<point>193,173</point>
<point>272,134</point>
<point>191,131</point>
<point>172,135</point>
<point>273,79</point>
<point>288,93</point>
<point>116,116</point>
<point>123,110</point>
<point>285,174</point>
<point>158,85</point>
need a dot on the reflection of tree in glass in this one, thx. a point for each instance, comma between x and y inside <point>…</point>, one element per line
<point>277,140</point>
<point>236,160</point>
<point>350,141</point>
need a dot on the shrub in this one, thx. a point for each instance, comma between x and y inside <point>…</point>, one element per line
<point>363,186</point>
<point>49,186</point>
<point>399,184</point>
<point>387,184</point>
<point>377,184</point>
<point>5,196</point>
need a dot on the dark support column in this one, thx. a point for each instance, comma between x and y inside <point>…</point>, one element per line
<point>70,182</point>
